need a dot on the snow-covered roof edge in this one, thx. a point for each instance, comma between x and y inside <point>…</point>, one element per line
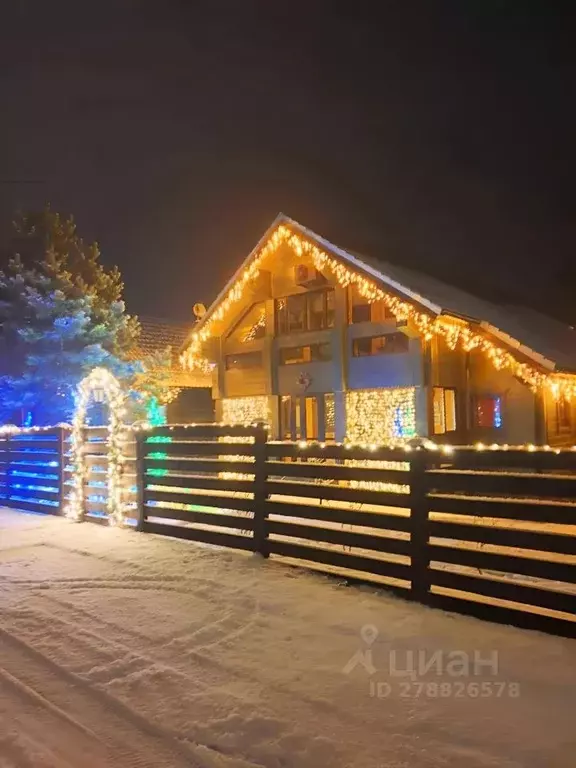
<point>371,270</point>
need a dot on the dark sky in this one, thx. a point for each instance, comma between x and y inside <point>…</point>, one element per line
<point>436,134</point>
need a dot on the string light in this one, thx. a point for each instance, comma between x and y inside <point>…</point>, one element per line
<point>380,415</point>
<point>99,380</point>
<point>245,410</point>
<point>456,332</point>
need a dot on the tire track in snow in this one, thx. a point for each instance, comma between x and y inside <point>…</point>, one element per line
<point>131,740</point>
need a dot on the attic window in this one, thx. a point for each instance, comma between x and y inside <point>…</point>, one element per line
<point>252,324</point>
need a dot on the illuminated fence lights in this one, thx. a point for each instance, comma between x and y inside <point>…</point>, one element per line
<point>456,332</point>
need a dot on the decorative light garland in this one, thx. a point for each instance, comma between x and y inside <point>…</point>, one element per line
<point>98,379</point>
<point>246,410</point>
<point>380,415</point>
<point>456,332</point>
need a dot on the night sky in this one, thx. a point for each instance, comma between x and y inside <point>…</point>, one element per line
<point>439,135</point>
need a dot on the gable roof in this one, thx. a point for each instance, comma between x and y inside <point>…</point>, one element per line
<point>158,334</point>
<point>548,342</point>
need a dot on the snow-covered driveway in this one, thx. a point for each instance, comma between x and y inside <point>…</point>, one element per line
<point>121,649</point>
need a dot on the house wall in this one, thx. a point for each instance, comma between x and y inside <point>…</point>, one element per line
<point>519,404</point>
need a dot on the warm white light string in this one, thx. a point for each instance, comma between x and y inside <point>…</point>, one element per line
<point>98,379</point>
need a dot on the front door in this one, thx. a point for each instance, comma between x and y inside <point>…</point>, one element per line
<point>307,417</point>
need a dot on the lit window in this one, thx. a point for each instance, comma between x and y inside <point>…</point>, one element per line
<point>243,361</point>
<point>311,410</point>
<point>488,411</point>
<point>563,415</point>
<point>313,311</point>
<point>444,410</point>
<point>389,344</point>
<point>286,417</point>
<point>311,353</point>
<point>252,324</point>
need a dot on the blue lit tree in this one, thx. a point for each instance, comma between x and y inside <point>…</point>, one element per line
<point>61,315</point>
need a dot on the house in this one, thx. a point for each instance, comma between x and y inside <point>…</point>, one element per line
<point>193,403</point>
<point>325,344</point>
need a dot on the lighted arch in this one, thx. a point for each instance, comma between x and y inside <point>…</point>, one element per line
<point>98,380</point>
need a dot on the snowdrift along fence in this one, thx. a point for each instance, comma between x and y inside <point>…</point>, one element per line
<point>31,469</point>
<point>492,533</point>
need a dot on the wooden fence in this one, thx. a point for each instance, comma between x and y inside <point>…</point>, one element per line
<point>492,532</point>
<point>487,532</point>
<point>31,469</point>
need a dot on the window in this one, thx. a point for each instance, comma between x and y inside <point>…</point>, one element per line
<point>487,411</point>
<point>312,353</point>
<point>252,324</point>
<point>243,361</point>
<point>444,410</point>
<point>389,344</point>
<point>313,311</point>
<point>311,412</point>
<point>329,417</point>
<point>286,417</point>
<point>563,415</point>
<point>362,311</point>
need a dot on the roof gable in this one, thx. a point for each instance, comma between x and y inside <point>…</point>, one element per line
<point>434,305</point>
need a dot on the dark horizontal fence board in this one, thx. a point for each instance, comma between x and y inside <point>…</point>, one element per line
<point>192,431</point>
<point>195,481</point>
<point>208,483</point>
<point>336,472</point>
<point>495,613</point>
<point>489,561</point>
<point>332,451</point>
<point>532,511</point>
<point>34,445</point>
<point>535,486</point>
<point>34,455</point>
<point>217,538</point>
<point>339,559</point>
<point>205,518</point>
<point>336,515</point>
<point>199,500</point>
<point>198,448</point>
<point>336,493</point>
<point>505,537</point>
<point>506,590</point>
<point>34,493</point>
<point>344,538</point>
<point>514,459</point>
<point>31,506</point>
<point>202,466</point>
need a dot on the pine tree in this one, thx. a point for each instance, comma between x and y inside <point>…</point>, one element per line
<point>62,314</point>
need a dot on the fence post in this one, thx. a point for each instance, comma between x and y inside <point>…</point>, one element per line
<point>61,459</point>
<point>260,495</point>
<point>140,479</point>
<point>419,525</point>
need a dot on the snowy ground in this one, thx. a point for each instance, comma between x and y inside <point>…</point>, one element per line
<point>121,649</point>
